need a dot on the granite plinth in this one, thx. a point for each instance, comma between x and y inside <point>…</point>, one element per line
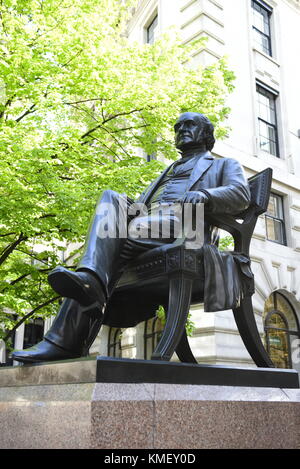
<point>82,370</point>
<point>145,415</point>
<point>195,417</point>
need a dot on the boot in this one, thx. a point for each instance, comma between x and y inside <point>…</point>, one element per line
<point>70,336</point>
<point>44,351</point>
<point>82,286</point>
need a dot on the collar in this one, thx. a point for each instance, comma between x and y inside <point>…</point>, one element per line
<point>197,151</point>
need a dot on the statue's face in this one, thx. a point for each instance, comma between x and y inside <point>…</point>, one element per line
<point>189,131</point>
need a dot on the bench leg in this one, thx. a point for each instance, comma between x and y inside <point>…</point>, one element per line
<point>245,320</point>
<point>180,289</point>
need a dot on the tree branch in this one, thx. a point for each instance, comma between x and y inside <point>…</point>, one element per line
<point>17,280</point>
<point>115,139</point>
<point>10,333</point>
<point>8,103</point>
<point>32,256</point>
<point>109,149</point>
<point>85,111</point>
<point>109,119</point>
<point>72,58</point>
<point>84,101</point>
<point>29,111</point>
<point>11,247</point>
<point>130,128</point>
<point>7,234</point>
<point>48,215</point>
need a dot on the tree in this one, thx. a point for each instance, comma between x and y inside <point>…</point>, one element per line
<point>78,101</point>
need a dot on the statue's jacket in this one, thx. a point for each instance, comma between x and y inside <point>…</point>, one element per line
<point>227,275</point>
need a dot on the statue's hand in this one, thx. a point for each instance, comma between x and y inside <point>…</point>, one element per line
<point>194,197</point>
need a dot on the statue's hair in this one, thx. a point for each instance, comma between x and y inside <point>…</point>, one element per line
<point>209,130</point>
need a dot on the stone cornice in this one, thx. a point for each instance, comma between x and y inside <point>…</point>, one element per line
<point>295,3</point>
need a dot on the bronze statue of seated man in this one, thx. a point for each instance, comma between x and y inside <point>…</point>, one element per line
<point>196,178</point>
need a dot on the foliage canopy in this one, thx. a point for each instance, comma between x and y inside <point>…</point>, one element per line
<point>78,103</point>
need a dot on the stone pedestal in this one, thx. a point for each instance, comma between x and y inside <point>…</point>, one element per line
<point>68,409</point>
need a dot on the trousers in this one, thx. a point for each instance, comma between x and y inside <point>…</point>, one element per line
<point>109,247</point>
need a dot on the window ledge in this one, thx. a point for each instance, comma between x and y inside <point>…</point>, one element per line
<point>266,56</point>
<point>279,161</point>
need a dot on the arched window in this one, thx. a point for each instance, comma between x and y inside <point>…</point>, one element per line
<point>114,348</point>
<point>152,333</point>
<point>281,330</point>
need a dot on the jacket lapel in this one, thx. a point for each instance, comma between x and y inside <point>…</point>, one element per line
<point>203,164</point>
<point>146,195</point>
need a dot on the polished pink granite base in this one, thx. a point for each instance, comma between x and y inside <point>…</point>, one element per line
<point>169,416</point>
<point>148,416</point>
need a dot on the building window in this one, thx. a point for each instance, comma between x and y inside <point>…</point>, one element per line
<point>267,120</point>
<point>275,224</point>
<point>33,332</point>
<point>114,348</point>
<point>281,330</point>
<point>261,26</point>
<point>152,334</point>
<point>151,157</point>
<point>152,30</point>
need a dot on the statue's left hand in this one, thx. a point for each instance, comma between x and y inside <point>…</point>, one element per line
<point>194,197</point>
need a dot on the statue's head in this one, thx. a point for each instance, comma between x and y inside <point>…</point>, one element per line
<point>194,130</point>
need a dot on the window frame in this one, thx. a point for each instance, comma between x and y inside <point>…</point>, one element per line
<point>285,330</point>
<point>114,345</point>
<point>154,18</point>
<point>264,90</point>
<point>33,332</point>
<point>269,11</point>
<point>289,332</point>
<point>152,338</point>
<point>278,219</point>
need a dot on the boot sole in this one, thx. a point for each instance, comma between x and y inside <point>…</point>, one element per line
<point>66,285</point>
<point>57,354</point>
<point>27,360</point>
<point>44,360</point>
